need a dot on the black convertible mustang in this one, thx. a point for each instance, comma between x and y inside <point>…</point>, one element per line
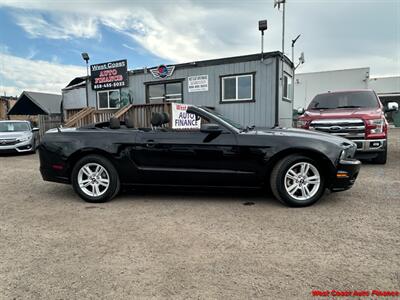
<point>297,165</point>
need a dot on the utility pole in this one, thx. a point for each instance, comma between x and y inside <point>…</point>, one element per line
<point>262,26</point>
<point>85,57</point>
<point>294,68</point>
<point>278,3</point>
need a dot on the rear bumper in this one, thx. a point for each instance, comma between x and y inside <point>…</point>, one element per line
<point>53,176</point>
<point>346,175</point>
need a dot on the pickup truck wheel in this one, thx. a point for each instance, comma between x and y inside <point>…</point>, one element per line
<point>95,179</point>
<point>381,158</point>
<point>297,181</point>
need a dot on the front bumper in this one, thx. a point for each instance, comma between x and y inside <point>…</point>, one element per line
<point>21,147</point>
<point>370,145</point>
<point>346,175</point>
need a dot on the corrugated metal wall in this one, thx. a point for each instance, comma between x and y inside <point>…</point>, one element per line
<point>260,113</point>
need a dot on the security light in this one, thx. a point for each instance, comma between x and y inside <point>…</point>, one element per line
<point>278,3</point>
<point>301,58</point>
<point>85,56</point>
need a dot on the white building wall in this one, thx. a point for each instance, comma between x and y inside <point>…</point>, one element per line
<point>385,85</point>
<point>307,85</point>
<point>75,98</point>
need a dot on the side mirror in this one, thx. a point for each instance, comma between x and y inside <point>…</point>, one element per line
<point>392,106</point>
<point>300,111</point>
<point>35,129</point>
<point>210,128</point>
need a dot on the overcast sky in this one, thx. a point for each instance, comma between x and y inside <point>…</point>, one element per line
<point>41,41</point>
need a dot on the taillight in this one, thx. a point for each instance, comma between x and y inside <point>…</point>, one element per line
<point>376,128</point>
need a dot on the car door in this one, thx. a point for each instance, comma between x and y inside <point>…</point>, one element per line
<point>191,157</point>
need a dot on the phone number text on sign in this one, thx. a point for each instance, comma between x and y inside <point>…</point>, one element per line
<point>198,83</point>
<point>109,85</point>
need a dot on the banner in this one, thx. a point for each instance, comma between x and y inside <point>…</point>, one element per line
<point>109,75</point>
<point>198,83</point>
<point>181,119</point>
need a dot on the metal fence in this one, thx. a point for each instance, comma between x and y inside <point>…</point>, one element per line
<point>139,113</point>
<point>46,122</point>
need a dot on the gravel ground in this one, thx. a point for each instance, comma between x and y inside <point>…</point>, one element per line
<point>195,245</point>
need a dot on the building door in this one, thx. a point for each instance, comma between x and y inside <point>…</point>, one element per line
<point>170,91</point>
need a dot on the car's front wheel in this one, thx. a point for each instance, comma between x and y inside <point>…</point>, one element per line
<point>297,180</point>
<point>381,158</point>
<point>95,179</point>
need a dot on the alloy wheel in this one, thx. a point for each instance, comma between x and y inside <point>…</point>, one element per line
<point>302,181</point>
<point>93,179</point>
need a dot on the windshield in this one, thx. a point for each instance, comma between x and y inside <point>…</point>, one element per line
<point>227,120</point>
<point>355,99</point>
<point>14,126</point>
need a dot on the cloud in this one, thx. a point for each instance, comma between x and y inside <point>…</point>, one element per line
<point>62,27</point>
<point>35,75</point>
<point>177,31</point>
<point>335,34</point>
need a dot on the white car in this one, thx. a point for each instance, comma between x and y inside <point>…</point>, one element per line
<point>17,136</point>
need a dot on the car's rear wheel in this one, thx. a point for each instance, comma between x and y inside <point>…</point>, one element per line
<point>95,179</point>
<point>297,180</point>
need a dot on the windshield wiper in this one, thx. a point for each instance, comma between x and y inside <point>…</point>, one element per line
<point>321,108</point>
<point>349,106</point>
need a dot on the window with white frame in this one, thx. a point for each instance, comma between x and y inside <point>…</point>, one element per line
<point>237,88</point>
<point>287,86</point>
<point>108,99</point>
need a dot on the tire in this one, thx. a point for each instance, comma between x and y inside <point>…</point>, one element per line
<point>292,190</point>
<point>34,147</point>
<point>381,158</point>
<point>86,188</point>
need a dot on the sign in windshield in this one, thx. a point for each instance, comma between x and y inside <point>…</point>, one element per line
<point>14,126</point>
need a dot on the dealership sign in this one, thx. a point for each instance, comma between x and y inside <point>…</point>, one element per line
<point>162,71</point>
<point>181,119</point>
<point>109,75</point>
<point>198,83</point>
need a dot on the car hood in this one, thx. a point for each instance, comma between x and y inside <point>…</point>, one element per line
<point>302,134</point>
<point>13,135</point>
<point>343,113</point>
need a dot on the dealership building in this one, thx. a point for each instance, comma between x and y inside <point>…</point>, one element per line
<point>247,89</point>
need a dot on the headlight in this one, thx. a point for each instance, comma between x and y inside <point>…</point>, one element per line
<point>25,138</point>
<point>343,154</point>
<point>301,123</point>
<point>376,125</point>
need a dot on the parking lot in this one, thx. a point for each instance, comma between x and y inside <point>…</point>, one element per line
<point>153,244</point>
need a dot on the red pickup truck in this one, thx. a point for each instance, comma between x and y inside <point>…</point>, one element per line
<point>357,115</point>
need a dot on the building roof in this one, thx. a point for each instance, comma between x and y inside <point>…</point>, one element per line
<point>80,81</point>
<point>35,103</point>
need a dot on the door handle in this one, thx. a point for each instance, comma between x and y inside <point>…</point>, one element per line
<point>151,143</point>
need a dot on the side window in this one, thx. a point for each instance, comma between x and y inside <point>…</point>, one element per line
<point>164,92</point>
<point>108,99</point>
<point>237,88</point>
<point>287,86</point>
